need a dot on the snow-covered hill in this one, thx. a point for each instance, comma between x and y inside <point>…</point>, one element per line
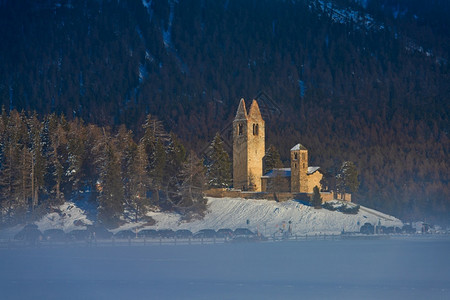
<point>264,216</point>
<point>269,216</point>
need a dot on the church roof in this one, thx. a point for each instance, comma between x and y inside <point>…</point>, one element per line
<point>312,170</point>
<point>281,172</point>
<point>286,172</point>
<point>298,147</point>
<point>241,113</point>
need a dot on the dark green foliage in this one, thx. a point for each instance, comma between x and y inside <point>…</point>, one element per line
<point>135,178</point>
<point>316,199</point>
<point>347,179</point>
<point>272,159</point>
<point>153,142</point>
<point>218,173</point>
<point>111,189</point>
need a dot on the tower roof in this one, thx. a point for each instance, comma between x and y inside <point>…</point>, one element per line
<point>298,147</point>
<point>254,113</point>
<point>241,113</point>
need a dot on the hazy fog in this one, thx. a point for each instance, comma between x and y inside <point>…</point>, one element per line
<point>403,268</point>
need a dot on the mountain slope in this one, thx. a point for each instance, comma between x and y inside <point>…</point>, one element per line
<point>376,97</point>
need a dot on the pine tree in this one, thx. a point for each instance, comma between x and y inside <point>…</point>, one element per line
<point>347,179</point>
<point>176,157</point>
<point>95,147</point>
<point>24,163</point>
<point>158,168</point>
<point>153,142</point>
<point>272,159</point>
<point>38,164</point>
<point>111,195</point>
<point>218,165</point>
<point>76,149</point>
<point>316,199</point>
<point>57,160</point>
<point>135,177</point>
<point>8,171</point>
<point>193,182</point>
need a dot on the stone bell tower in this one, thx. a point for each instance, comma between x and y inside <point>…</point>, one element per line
<point>299,169</point>
<point>248,147</point>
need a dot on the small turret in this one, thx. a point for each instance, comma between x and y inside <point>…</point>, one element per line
<point>299,169</point>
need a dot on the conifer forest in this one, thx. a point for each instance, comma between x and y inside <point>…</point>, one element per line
<point>120,99</point>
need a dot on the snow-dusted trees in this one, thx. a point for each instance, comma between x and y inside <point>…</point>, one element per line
<point>38,164</point>
<point>44,163</point>
<point>192,185</point>
<point>153,142</point>
<point>23,160</point>
<point>76,149</point>
<point>347,179</point>
<point>16,173</point>
<point>218,165</point>
<point>176,157</point>
<point>9,174</point>
<point>110,185</point>
<point>22,165</point>
<point>134,175</point>
<point>57,156</point>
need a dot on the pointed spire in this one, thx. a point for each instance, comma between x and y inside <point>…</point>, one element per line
<point>254,113</point>
<point>241,113</point>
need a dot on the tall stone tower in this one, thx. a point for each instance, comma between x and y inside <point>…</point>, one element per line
<point>248,147</point>
<point>299,169</point>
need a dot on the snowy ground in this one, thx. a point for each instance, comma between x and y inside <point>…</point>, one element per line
<point>396,268</point>
<point>267,217</point>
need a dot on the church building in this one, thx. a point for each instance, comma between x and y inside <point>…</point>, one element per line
<point>249,151</point>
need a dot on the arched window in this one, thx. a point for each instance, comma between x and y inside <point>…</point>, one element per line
<point>295,156</point>
<point>255,129</point>
<point>240,127</point>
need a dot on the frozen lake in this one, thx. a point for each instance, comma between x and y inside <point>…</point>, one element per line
<point>396,268</point>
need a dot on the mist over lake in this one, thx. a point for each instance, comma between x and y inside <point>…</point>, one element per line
<point>393,268</point>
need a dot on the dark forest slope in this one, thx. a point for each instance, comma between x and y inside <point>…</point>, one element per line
<point>378,96</point>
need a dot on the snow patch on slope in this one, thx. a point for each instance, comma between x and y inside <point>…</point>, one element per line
<point>67,217</point>
<point>269,216</point>
<point>265,216</point>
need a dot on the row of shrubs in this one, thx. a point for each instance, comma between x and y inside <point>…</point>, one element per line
<point>368,228</point>
<point>30,233</point>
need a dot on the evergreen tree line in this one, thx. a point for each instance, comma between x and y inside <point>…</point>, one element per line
<point>45,162</point>
<point>371,97</point>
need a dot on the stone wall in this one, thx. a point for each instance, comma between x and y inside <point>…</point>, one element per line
<point>314,180</point>
<point>280,197</point>
<point>282,184</point>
